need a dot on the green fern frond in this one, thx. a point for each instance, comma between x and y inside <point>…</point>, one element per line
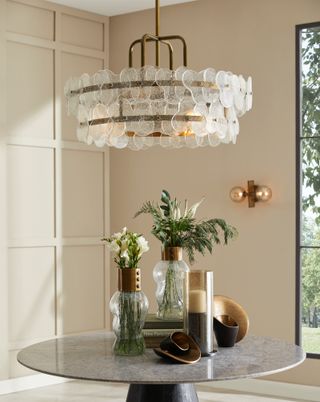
<point>174,229</point>
<point>149,208</point>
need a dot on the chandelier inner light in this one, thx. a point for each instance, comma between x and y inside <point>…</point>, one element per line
<point>152,105</point>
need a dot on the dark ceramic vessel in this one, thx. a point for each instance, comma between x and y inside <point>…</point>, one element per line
<point>226,330</point>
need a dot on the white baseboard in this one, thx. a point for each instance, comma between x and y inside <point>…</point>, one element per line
<point>29,382</point>
<point>268,388</point>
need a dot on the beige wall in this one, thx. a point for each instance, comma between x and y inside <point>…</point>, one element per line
<point>255,38</point>
<point>57,189</point>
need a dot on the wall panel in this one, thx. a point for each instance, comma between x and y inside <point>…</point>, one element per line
<point>31,192</point>
<point>82,193</point>
<point>30,91</point>
<point>31,293</point>
<point>82,32</point>
<point>83,289</point>
<point>57,189</point>
<point>74,65</point>
<point>28,20</point>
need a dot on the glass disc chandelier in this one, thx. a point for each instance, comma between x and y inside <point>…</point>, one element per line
<point>152,105</point>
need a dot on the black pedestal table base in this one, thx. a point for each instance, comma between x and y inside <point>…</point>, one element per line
<point>162,393</point>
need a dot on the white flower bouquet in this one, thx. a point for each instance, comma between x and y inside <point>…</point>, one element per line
<point>128,248</point>
<point>129,304</point>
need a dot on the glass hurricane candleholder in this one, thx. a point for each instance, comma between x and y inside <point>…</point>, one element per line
<point>199,309</point>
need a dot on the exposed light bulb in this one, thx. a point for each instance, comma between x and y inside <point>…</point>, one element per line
<point>263,193</point>
<point>238,194</point>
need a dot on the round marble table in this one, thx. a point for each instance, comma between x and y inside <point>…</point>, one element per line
<point>89,357</point>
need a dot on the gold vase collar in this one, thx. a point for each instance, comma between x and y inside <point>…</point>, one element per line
<point>171,254</point>
<point>129,280</point>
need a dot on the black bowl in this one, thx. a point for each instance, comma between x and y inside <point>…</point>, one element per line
<point>226,330</point>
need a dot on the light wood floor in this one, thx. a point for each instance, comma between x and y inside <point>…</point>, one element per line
<point>81,391</point>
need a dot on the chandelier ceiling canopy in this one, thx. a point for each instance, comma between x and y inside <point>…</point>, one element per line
<point>152,105</point>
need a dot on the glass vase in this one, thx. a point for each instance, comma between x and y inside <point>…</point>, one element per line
<point>129,306</point>
<point>169,275</point>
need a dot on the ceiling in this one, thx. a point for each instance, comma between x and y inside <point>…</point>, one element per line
<point>115,7</point>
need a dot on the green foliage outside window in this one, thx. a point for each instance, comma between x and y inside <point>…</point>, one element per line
<point>311,118</point>
<point>310,154</point>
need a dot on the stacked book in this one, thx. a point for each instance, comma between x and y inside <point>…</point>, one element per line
<point>155,330</point>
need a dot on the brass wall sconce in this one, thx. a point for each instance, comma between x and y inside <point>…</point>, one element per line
<point>254,193</point>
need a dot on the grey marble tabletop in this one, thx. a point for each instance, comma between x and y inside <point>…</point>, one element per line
<point>90,357</point>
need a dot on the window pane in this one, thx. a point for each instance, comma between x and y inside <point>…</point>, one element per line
<point>310,192</point>
<point>310,262</point>
<point>310,72</point>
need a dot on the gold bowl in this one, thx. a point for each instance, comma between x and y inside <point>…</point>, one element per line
<point>226,307</point>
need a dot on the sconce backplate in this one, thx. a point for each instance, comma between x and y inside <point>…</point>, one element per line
<point>251,193</point>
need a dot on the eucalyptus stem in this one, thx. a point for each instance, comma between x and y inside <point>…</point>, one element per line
<point>172,303</point>
<point>129,340</point>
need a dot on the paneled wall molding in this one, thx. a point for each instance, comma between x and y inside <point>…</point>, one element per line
<point>54,242</point>
<point>58,189</point>
<point>44,143</point>
<point>48,44</point>
<point>4,369</point>
<point>31,142</point>
<point>47,5</point>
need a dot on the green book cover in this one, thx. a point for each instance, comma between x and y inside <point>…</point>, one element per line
<point>153,322</point>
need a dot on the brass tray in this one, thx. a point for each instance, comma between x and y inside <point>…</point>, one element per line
<point>224,305</point>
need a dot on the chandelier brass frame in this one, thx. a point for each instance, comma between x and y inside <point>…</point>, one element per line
<point>201,114</point>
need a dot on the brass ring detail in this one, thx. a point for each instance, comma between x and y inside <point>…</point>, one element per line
<point>123,119</point>
<point>142,83</point>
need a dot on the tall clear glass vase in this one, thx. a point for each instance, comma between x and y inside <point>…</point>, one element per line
<point>129,307</point>
<point>170,275</point>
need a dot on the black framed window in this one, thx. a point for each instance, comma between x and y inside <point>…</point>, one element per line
<point>308,187</point>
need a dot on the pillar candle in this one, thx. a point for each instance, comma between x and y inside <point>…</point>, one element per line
<point>197,301</point>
